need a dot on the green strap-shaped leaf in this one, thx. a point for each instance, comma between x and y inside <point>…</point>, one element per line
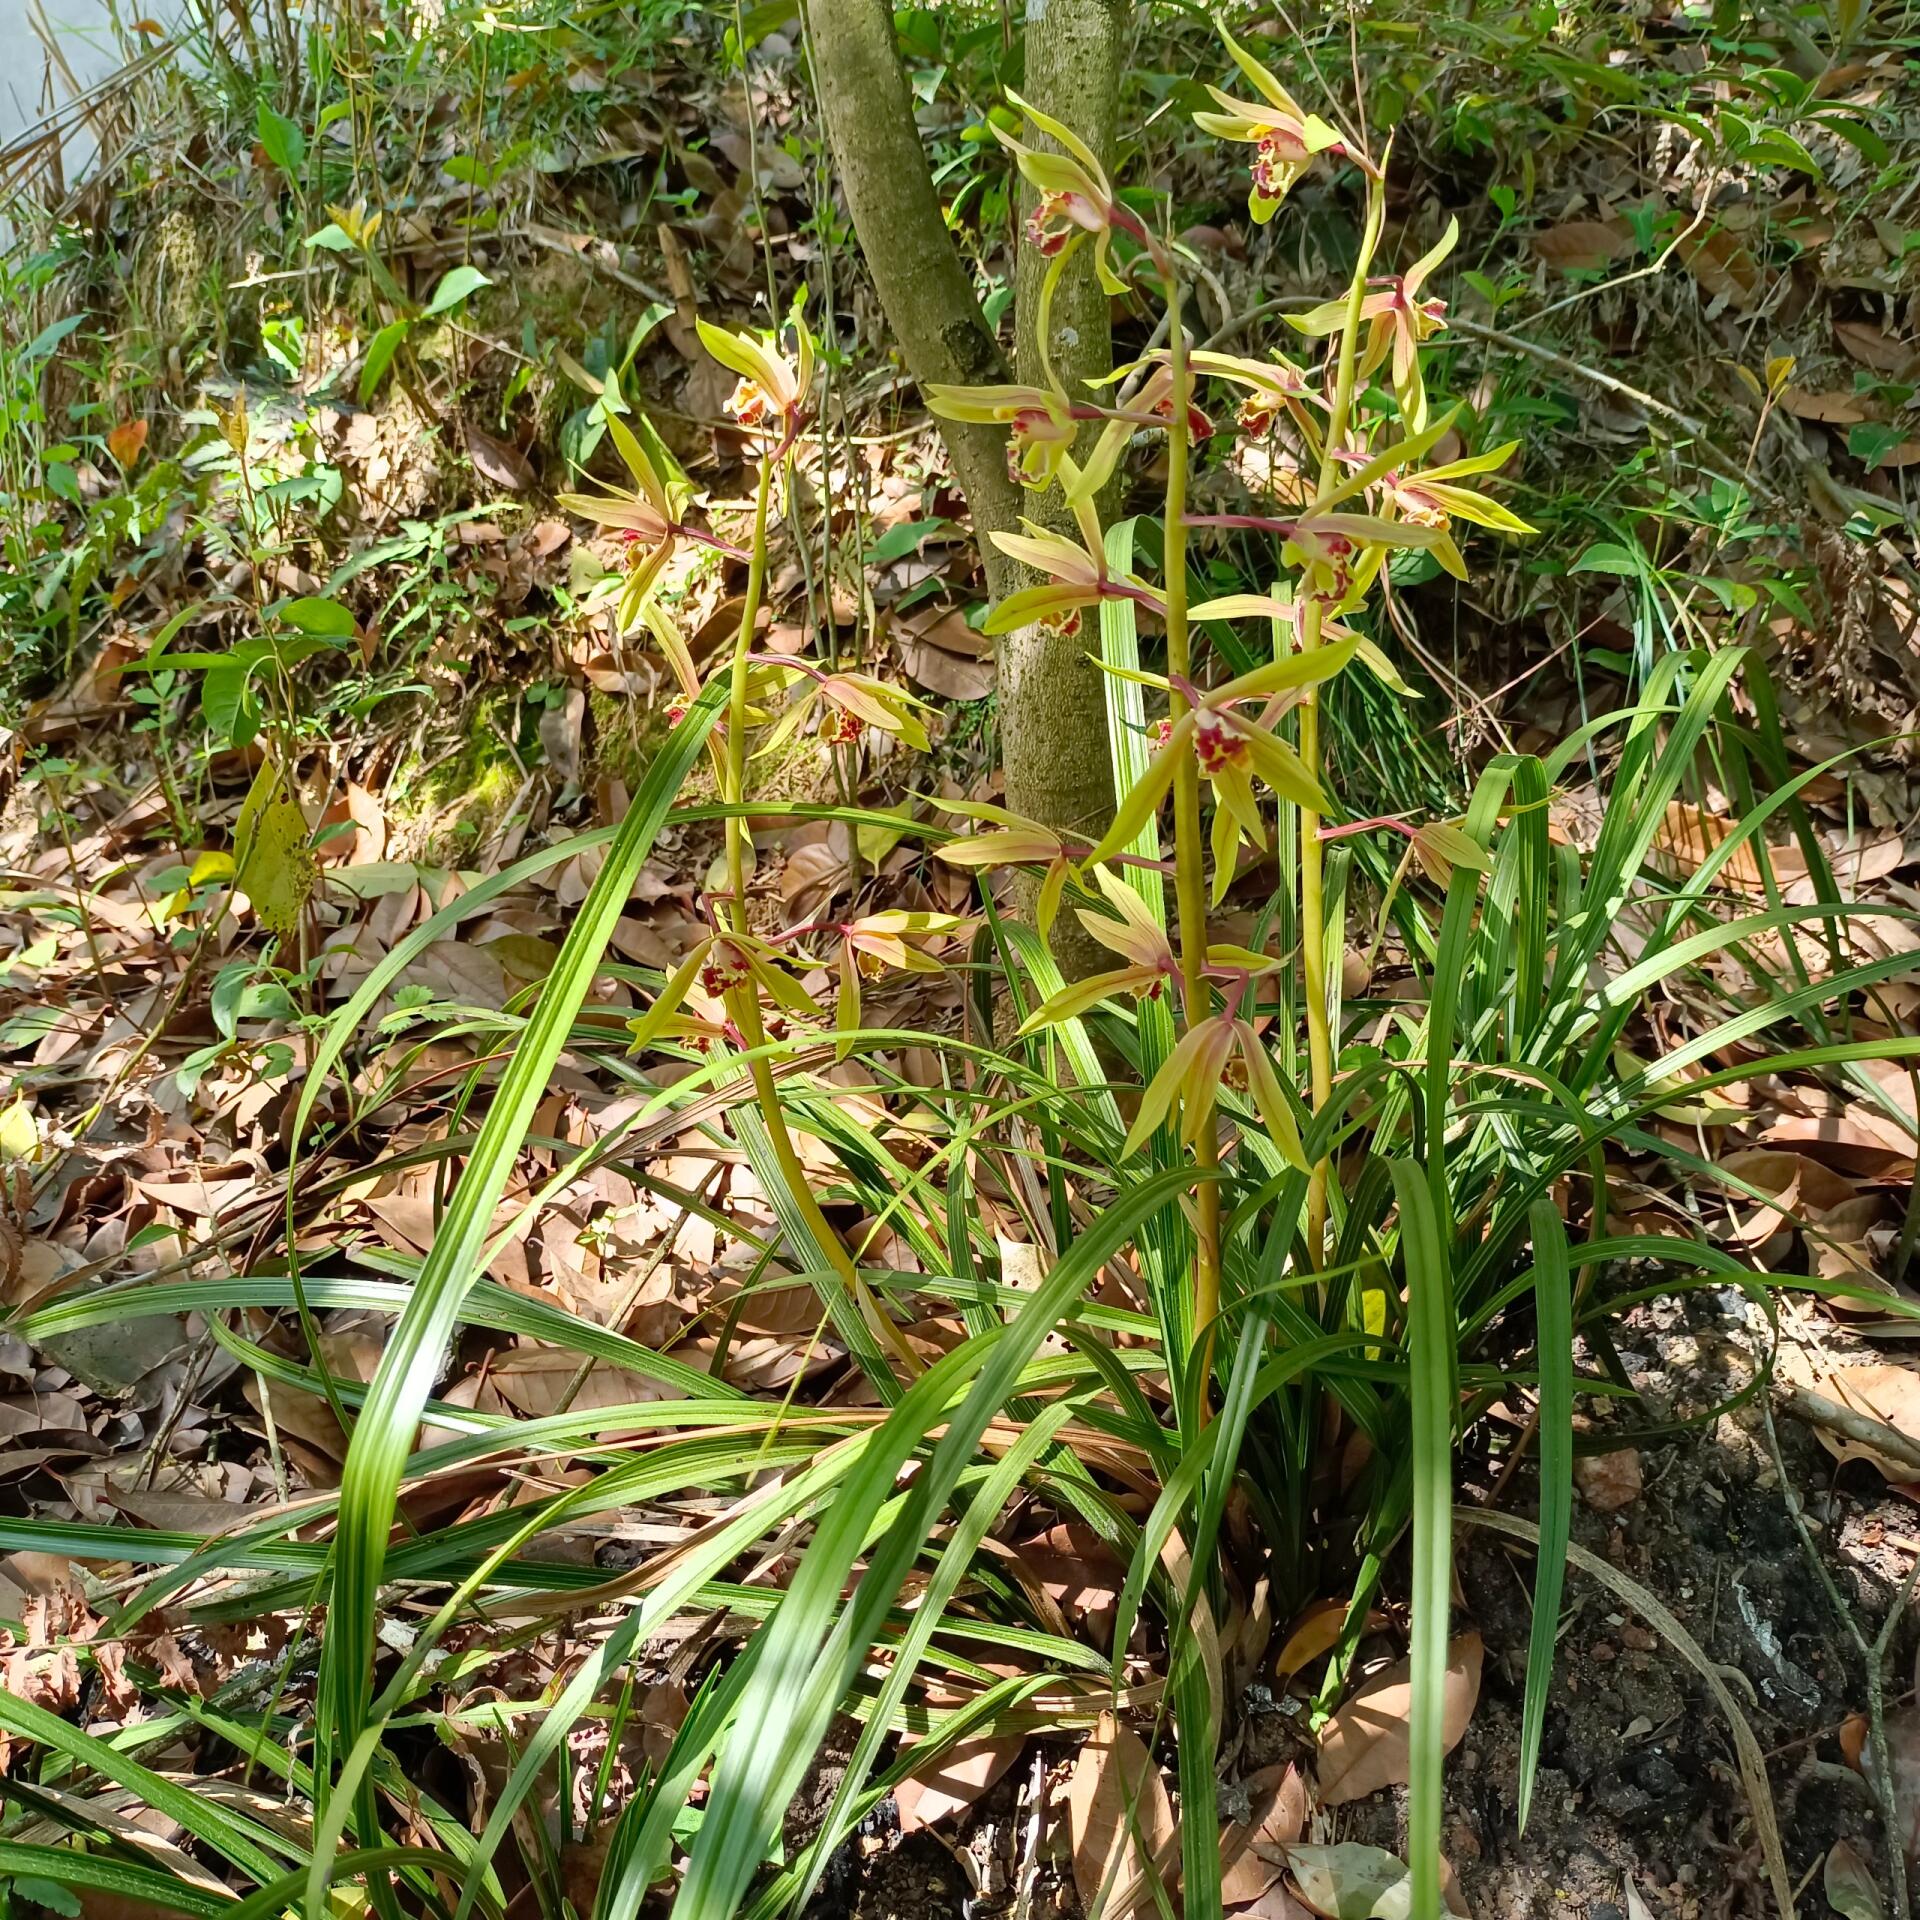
<point>383,1434</point>
<point>249,1847</point>
<point>1553,1340</point>
<point>1423,1243</point>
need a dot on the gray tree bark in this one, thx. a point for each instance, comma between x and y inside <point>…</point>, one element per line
<point>1052,702</point>
<point>1061,768</point>
<point>924,287</point>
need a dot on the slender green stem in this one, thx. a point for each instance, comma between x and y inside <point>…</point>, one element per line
<point>1189,851</point>
<point>735,777</point>
<point>744,1001</point>
<point>1313,917</point>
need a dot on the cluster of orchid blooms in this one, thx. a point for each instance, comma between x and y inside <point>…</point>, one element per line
<point>1342,505</point>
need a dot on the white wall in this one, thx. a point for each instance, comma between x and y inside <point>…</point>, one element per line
<point>84,37</point>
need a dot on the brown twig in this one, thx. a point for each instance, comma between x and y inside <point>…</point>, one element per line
<point>1818,1411</point>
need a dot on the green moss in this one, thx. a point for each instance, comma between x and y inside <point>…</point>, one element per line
<point>627,734</point>
<point>445,803</point>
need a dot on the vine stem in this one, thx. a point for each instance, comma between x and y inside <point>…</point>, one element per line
<point>1313,894</point>
<point>744,1001</point>
<point>1189,852</point>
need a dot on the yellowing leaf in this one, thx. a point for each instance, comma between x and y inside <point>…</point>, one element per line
<point>19,1133</point>
<point>273,864</point>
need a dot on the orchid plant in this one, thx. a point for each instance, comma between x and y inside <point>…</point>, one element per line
<point>1352,479</point>
<point>1352,483</point>
<point>1351,489</point>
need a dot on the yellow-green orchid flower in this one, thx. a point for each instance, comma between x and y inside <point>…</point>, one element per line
<point>644,519</point>
<point>1431,500</point>
<point>1232,747</point>
<point>1078,577</point>
<point>1193,1073</point>
<point>1151,406</point>
<point>1040,421</point>
<point>1398,321</point>
<point>853,702</point>
<point>648,527</point>
<point>1284,136</point>
<point>1136,936</point>
<point>772,394</point>
<point>722,965</point>
<point>870,947</point>
<point>1272,386</point>
<point>1075,194</point>
<point>1014,842</point>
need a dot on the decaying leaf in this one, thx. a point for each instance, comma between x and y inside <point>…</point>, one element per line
<point>1583,245</point>
<point>946,656</point>
<point>1078,1571</point>
<point>1119,1818</point>
<point>1719,260</point>
<point>1252,1856</point>
<point>1314,1634</point>
<point>1887,1393</point>
<point>954,1780</point>
<point>1839,409</point>
<point>1365,1746</point>
<point>1873,347</point>
<point>126,441</point>
<point>1850,1887</point>
<point>1355,1882</point>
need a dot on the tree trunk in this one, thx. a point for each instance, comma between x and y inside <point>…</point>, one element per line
<point>1052,696</point>
<point>1052,702</point>
<point>922,282</point>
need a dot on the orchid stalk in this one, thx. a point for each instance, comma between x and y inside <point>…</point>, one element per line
<point>1314,967</point>
<point>734,967</point>
<point>1189,846</point>
<point>743,998</point>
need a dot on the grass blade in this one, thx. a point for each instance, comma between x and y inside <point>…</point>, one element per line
<point>383,1435</point>
<point>1553,1323</point>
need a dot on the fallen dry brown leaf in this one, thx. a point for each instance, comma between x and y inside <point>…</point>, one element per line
<point>1365,1746</point>
<point>1252,1856</point>
<point>954,1780</point>
<point>1583,245</point>
<point>1119,1819</point>
<point>1887,1393</point>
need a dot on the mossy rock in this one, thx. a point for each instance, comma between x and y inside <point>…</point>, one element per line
<point>439,815</point>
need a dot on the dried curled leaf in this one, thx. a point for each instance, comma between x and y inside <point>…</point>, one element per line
<point>1120,1819</point>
